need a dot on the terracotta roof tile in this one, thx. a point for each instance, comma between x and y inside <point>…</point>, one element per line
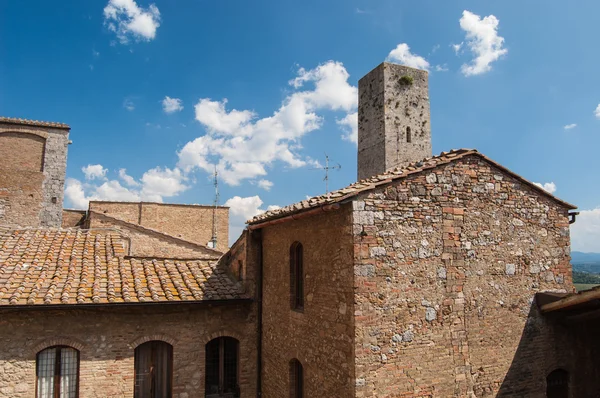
<point>51,266</point>
<point>385,178</point>
<point>37,123</point>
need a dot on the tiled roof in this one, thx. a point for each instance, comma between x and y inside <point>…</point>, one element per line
<point>37,123</point>
<point>385,178</point>
<point>51,266</point>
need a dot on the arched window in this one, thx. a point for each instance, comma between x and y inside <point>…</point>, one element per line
<point>57,371</point>
<point>296,277</point>
<point>296,379</point>
<point>557,384</point>
<point>408,135</point>
<point>153,370</point>
<point>222,380</point>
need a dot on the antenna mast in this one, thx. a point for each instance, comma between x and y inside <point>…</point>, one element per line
<point>216,204</point>
<point>327,168</point>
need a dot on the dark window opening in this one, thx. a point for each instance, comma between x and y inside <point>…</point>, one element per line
<point>154,370</point>
<point>296,277</point>
<point>408,135</point>
<point>240,270</point>
<point>557,384</point>
<point>222,368</point>
<point>296,379</point>
<point>57,373</point>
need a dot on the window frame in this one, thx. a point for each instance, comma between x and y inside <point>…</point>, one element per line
<point>297,277</point>
<point>151,344</point>
<point>221,366</point>
<point>296,379</point>
<point>57,370</point>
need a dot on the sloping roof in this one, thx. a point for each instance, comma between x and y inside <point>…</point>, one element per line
<point>389,176</point>
<point>37,123</point>
<point>72,267</point>
<point>127,224</point>
<point>581,301</point>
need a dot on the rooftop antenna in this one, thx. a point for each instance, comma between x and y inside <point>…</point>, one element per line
<point>213,240</point>
<point>327,168</point>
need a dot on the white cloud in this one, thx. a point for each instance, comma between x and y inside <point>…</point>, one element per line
<point>240,210</point>
<point>550,187</point>
<point>265,184</point>
<point>457,47</point>
<point>402,55</point>
<point>570,126</point>
<point>128,104</point>
<point>129,180</point>
<point>597,112</point>
<point>155,185</point>
<point>350,127</point>
<point>585,232</point>
<point>483,41</point>
<point>242,145</point>
<point>441,68</point>
<point>94,171</point>
<point>128,20</point>
<point>171,105</point>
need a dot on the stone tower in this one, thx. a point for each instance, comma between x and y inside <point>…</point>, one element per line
<point>393,118</point>
<point>33,161</point>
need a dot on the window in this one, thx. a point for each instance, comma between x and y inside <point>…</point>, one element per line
<point>296,379</point>
<point>296,277</point>
<point>57,371</point>
<point>153,370</point>
<point>408,135</point>
<point>557,384</point>
<point>222,368</point>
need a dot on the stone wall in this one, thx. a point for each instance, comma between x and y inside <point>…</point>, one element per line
<point>32,175</point>
<point>393,118</point>
<point>73,218</point>
<point>144,242</point>
<point>320,336</point>
<point>107,337</point>
<point>447,263</point>
<point>189,222</point>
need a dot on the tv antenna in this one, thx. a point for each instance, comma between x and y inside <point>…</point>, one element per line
<point>213,240</point>
<point>327,168</point>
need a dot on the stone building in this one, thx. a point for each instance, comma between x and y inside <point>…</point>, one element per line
<point>432,276</point>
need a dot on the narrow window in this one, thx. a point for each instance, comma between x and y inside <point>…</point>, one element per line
<point>57,371</point>
<point>240,270</point>
<point>557,384</point>
<point>153,370</point>
<point>222,368</point>
<point>408,135</point>
<point>296,379</point>
<point>296,277</point>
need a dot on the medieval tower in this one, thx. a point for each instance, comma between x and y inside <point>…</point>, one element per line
<point>33,161</point>
<point>393,118</point>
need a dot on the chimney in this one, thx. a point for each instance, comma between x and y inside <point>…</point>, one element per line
<point>393,119</point>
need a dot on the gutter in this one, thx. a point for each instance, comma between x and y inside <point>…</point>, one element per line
<point>122,304</point>
<point>296,216</point>
<point>573,216</point>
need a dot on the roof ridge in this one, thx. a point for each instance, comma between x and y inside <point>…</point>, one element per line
<point>156,232</point>
<point>30,122</point>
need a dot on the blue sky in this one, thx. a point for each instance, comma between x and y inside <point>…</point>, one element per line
<point>262,90</point>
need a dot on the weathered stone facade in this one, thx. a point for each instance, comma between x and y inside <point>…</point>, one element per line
<point>321,336</point>
<point>189,222</point>
<point>447,264</point>
<point>107,337</point>
<point>393,118</point>
<point>33,160</point>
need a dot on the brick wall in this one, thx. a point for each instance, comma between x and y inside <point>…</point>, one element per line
<point>73,218</point>
<point>149,243</point>
<point>321,336</point>
<point>447,266</point>
<point>190,222</point>
<point>107,339</point>
<point>32,175</point>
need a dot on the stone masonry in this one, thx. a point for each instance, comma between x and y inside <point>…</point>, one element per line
<point>447,263</point>
<point>393,118</point>
<point>33,159</point>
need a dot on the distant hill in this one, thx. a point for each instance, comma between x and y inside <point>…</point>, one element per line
<point>586,262</point>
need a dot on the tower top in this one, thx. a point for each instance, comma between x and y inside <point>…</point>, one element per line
<point>393,118</point>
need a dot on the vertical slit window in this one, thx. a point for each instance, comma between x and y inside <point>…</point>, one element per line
<point>296,379</point>
<point>408,135</point>
<point>57,371</point>
<point>296,276</point>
